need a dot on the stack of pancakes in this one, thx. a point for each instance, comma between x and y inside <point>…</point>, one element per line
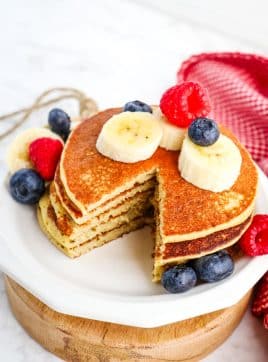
<point>94,199</point>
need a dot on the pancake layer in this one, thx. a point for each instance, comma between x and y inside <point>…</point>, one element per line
<point>81,217</point>
<point>67,233</point>
<point>180,252</point>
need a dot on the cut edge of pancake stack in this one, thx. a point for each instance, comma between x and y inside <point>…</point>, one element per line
<point>76,228</point>
<point>169,253</point>
<point>128,211</point>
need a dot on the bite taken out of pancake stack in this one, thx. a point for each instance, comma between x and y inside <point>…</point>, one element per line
<point>168,167</point>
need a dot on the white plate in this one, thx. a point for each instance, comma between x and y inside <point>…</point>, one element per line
<point>112,283</point>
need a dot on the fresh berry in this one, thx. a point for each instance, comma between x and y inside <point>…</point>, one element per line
<point>179,279</point>
<point>260,302</point>
<point>255,240</point>
<point>183,103</point>
<point>204,131</point>
<point>137,106</point>
<point>214,267</point>
<point>45,154</point>
<point>59,122</point>
<point>26,186</point>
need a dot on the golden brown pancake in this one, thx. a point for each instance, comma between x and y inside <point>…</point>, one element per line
<point>90,179</point>
<point>189,221</point>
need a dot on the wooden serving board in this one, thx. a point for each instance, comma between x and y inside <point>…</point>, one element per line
<point>77,339</point>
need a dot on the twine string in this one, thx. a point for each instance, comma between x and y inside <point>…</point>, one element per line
<point>87,106</point>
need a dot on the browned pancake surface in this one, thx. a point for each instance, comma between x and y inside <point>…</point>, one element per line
<point>205,244</point>
<point>185,208</point>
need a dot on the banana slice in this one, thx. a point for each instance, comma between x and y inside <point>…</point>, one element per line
<point>172,136</point>
<point>130,137</point>
<point>213,168</point>
<point>18,151</point>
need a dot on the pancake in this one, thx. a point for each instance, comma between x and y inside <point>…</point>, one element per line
<point>94,199</point>
<point>186,211</point>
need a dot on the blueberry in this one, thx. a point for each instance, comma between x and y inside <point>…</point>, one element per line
<point>203,131</point>
<point>59,122</point>
<point>179,279</point>
<point>214,267</point>
<point>137,106</point>
<point>26,186</point>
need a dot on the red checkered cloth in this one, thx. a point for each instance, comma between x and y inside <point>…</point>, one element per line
<point>238,89</point>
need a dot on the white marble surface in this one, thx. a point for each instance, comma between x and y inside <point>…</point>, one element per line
<point>115,51</point>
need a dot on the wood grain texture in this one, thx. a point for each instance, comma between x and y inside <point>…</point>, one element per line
<point>77,339</point>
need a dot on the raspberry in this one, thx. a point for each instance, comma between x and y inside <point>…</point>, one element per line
<point>183,103</point>
<point>45,154</point>
<point>255,240</point>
